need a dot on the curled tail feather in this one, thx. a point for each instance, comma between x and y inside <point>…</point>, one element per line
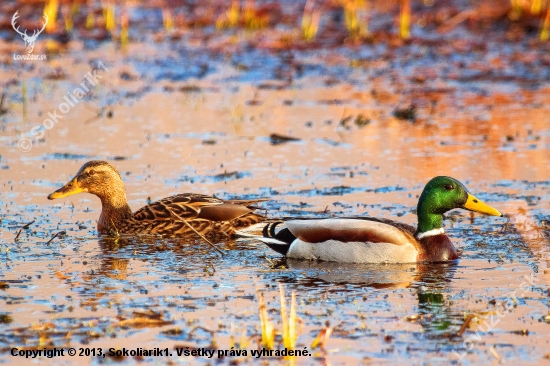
<point>279,241</point>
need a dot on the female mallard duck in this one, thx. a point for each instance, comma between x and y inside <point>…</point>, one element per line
<point>173,216</point>
<point>371,240</point>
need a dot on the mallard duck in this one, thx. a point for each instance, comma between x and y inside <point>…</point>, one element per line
<point>171,216</point>
<point>373,240</point>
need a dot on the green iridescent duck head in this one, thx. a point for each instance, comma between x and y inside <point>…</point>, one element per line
<point>443,194</point>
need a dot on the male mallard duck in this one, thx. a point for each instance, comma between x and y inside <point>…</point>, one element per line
<point>171,216</point>
<point>372,240</point>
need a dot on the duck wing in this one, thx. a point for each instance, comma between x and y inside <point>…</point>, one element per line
<point>185,205</point>
<point>367,230</point>
<point>192,206</point>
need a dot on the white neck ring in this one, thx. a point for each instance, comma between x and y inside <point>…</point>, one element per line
<point>428,233</point>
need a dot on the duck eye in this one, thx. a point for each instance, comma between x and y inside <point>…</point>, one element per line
<point>449,187</point>
<point>91,172</point>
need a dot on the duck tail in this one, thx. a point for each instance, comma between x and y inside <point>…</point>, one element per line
<point>279,241</point>
<point>252,231</point>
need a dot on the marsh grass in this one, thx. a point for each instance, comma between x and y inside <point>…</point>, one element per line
<point>322,338</point>
<point>405,19</point>
<point>266,325</point>
<point>90,19</point>
<point>230,19</point>
<point>247,15</point>
<point>24,99</point>
<point>167,19</point>
<point>536,7</point>
<point>125,27</point>
<point>50,9</point>
<point>545,31</point>
<point>310,21</point>
<point>243,342</point>
<point>355,20</point>
<point>251,16</point>
<point>533,8</point>
<point>109,15</point>
<point>69,11</point>
<point>233,13</point>
<point>290,324</point>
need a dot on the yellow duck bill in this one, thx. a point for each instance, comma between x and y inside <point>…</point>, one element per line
<point>476,205</point>
<point>67,190</point>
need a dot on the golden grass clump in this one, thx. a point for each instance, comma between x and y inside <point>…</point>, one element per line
<point>290,331</point>
<point>310,21</point>
<point>253,19</point>
<point>243,343</point>
<point>535,8</point>
<point>50,10</point>
<point>251,15</point>
<point>290,322</point>
<point>405,19</point>
<point>167,19</point>
<point>267,327</point>
<point>545,32</point>
<point>322,338</point>
<point>355,24</point>
<point>230,19</point>
<point>90,20</point>
<point>125,28</point>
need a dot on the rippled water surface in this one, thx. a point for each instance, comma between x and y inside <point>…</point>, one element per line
<point>350,155</point>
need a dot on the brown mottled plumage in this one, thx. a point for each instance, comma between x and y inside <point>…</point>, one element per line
<point>170,216</point>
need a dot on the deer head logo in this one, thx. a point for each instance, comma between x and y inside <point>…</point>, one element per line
<point>29,40</point>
